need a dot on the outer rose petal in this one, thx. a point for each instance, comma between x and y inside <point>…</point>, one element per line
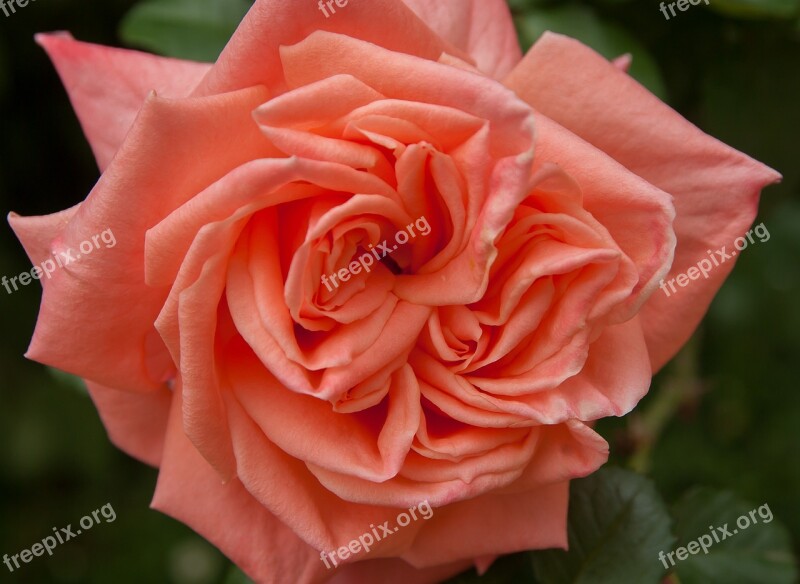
<point>270,25</point>
<point>462,528</point>
<point>136,423</point>
<point>314,514</point>
<point>638,215</point>
<point>260,544</point>
<point>623,62</point>
<point>716,188</point>
<point>481,28</point>
<point>227,515</point>
<point>37,233</point>
<point>112,340</point>
<point>108,86</point>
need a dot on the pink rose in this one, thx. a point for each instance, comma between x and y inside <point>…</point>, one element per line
<point>295,394</point>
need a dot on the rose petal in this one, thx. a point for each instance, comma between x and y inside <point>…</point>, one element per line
<point>565,451</point>
<point>270,24</point>
<point>623,62</point>
<point>503,458</point>
<point>318,516</point>
<point>595,392</point>
<point>38,233</point>
<point>551,454</point>
<point>715,188</point>
<point>251,186</point>
<point>213,222</point>
<point>323,55</point>
<point>481,28</point>
<point>536,519</point>
<point>638,216</point>
<point>108,86</point>
<point>135,423</point>
<point>112,340</point>
<point>462,280</point>
<point>372,445</point>
<point>227,515</point>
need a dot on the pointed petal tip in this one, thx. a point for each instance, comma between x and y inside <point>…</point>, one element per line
<point>47,39</point>
<point>623,62</point>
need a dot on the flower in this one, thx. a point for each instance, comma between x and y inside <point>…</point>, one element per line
<point>466,366</point>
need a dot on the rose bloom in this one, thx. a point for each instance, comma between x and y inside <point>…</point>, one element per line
<point>288,416</point>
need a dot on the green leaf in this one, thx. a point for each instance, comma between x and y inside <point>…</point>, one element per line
<point>186,29</point>
<point>756,551</point>
<point>617,525</point>
<point>611,41</point>
<point>757,9</point>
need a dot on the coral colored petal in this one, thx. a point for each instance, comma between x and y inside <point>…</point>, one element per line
<point>593,392</point>
<point>509,142</point>
<point>135,423</point>
<point>556,453</point>
<point>271,24</point>
<point>638,215</point>
<point>323,55</point>
<point>227,515</point>
<point>565,451</point>
<point>347,443</point>
<point>37,234</point>
<point>250,187</point>
<point>315,514</point>
<point>623,62</point>
<point>481,28</point>
<point>536,519</point>
<point>111,339</point>
<point>203,410</point>
<point>108,86</point>
<point>715,188</point>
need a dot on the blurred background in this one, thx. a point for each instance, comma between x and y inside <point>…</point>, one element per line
<point>725,414</point>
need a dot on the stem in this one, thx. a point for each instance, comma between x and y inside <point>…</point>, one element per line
<point>647,426</point>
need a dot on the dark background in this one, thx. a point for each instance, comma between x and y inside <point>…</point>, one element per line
<point>731,68</point>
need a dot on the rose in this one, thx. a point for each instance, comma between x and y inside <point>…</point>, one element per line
<point>466,368</point>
